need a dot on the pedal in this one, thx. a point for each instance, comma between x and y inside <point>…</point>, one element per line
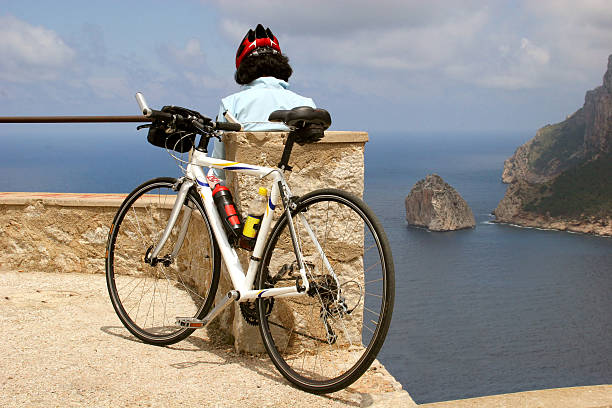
<point>190,322</point>
<point>193,323</point>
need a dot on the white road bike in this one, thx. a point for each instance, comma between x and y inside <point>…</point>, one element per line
<point>319,282</point>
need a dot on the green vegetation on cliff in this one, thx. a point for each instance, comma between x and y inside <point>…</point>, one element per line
<point>565,171</point>
<point>585,189</point>
<point>555,146</point>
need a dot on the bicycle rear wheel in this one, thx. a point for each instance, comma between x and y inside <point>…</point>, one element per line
<point>326,339</point>
<point>149,296</point>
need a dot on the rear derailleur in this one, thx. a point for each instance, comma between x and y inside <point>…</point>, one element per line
<point>333,304</point>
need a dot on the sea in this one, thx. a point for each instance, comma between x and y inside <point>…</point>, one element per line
<point>490,310</point>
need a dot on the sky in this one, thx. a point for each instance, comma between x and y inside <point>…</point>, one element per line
<point>379,66</point>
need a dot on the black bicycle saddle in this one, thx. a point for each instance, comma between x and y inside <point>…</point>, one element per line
<point>302,116</point>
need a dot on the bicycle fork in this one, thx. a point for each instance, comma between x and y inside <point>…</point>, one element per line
<point>152,255</point>
<point>183,186</point>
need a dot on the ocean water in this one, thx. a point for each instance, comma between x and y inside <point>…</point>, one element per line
<point>495,309</point>
<point>490,310</point>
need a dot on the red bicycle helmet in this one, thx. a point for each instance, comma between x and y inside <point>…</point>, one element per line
<point>260,41</point>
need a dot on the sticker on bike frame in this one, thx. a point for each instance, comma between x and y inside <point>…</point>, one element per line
<point>236,166</point>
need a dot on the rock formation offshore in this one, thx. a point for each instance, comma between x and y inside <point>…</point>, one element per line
<point>434,204</point>
<point>562,178</point>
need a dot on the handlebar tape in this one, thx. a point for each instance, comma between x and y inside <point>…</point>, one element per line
<point>230,127</point>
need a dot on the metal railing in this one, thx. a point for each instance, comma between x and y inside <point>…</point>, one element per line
<point>72,119</point>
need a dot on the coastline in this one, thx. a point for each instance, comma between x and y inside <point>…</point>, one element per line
<point>510,211</point>
<point>595,227</point>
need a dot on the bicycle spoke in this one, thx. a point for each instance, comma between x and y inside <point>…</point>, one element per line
<point>150,295</point>
<point>371,311</point>
<point>330,333</point>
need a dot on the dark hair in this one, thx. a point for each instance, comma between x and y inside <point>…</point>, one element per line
<point>256,66</point>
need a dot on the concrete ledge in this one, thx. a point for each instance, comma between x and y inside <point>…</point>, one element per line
<point>62,199</point>
<point>345,137</point>
<point>331,136</point>
<point>597,396</point>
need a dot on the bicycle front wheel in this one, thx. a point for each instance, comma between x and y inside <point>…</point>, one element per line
<point>183,279</point>
<point>327,338</point>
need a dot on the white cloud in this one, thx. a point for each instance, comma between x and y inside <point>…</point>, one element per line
<point>189,64</point>
<point>532,54</point>
<point>336,18</point>
<point>109,87</point>
<point>403,48</point>
<point>403,42</point>
<point>521,65</point>
<point>31,53</point>
<point>579,34</point>
<point>381,34</point>
<point>530,44</point>
<point>189,56</point>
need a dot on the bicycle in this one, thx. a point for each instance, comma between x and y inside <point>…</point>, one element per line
<point>319,283</point>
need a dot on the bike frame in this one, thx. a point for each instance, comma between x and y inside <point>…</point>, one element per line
<point>243,283</point>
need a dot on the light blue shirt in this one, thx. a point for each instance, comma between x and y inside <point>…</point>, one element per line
<point>252,106</point>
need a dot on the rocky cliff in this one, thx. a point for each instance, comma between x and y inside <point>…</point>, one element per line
<point>583,136</point>
<point>434,204</point>
<point>561,178</point>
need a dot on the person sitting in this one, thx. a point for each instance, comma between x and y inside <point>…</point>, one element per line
<point>263,71</point>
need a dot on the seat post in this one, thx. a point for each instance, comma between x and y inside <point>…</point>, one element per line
<point>284,162</point>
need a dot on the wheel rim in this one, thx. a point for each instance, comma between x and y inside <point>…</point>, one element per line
<point>309,350</point>
<point>148,298</point>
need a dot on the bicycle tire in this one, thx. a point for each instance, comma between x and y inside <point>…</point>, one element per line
<point>298,332</point>
<point>183,287</point>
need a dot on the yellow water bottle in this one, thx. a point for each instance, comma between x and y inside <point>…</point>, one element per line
<point>253,221</point>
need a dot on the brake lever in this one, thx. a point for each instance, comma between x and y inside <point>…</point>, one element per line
<point>144,126</point>
<point>197,123</point>
<point>204,129</point>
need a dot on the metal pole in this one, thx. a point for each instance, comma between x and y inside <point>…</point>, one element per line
<point>72,119</point>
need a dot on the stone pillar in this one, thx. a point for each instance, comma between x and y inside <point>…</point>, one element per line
<point>334,162</point>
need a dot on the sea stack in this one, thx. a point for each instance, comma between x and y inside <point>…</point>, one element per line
<point>435,205</point>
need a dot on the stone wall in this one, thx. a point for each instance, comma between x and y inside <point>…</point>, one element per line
<point>334,162</point>
<point>54,232</point>
<point>51,232</point>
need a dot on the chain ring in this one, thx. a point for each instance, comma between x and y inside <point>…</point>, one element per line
<point>249,311</point>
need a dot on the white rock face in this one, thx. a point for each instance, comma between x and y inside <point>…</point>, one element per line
<point>435,205</point>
